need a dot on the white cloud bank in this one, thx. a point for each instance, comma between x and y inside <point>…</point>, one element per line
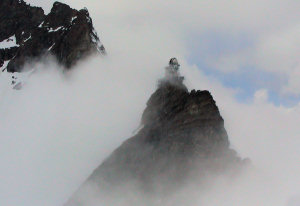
<point>58,129</point>
<point>271,25</point>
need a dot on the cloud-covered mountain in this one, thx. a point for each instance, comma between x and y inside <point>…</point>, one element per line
<point>181,139</point>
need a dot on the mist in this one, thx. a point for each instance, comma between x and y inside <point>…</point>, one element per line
<point>62,125</point>
<point>58,121</point>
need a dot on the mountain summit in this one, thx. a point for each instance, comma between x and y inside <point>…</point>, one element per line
<point>182,135</point>
<point>27,34</point>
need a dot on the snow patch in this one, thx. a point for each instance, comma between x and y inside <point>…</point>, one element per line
<point>8,43</point>
<point>73,18</point>
<point>4,65</point>
<point>41,25</point>
<point>51,47</point>
<point>54,30</point>
<point>27,39</point>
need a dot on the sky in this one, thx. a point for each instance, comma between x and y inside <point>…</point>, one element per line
<point>245,52</point>
<point>246,45</point>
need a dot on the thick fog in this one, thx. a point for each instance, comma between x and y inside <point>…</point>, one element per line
<point>61,126</point>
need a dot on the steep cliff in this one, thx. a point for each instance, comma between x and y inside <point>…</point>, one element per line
<point>182,135</point>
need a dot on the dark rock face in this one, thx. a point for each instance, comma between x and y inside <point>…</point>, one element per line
<point>182,135</point>
<point>65,33</point>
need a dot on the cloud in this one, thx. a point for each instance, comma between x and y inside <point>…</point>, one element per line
<point>61,123</point>
<point>267,134</point>
<point>271,31</point>
<point>275,52</point>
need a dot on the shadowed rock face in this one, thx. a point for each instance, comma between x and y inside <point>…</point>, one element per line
<point>65,33</point>
<point>182,135</point>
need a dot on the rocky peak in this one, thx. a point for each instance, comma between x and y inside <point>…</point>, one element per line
<point>181,135</point>
<point>17,17</point>
<point>27,34</point>
<point>60,15</point>
<point>172,107</point>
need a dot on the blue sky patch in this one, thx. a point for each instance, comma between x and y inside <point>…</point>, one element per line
<point>247,79</point>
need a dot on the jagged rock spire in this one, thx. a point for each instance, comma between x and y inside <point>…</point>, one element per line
<point>182,135</point>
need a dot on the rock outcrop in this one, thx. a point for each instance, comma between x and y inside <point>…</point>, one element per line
<point>27,34</point>
<point>182,135</point>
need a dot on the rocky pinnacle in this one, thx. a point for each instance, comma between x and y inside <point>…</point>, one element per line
<point>182,135</point>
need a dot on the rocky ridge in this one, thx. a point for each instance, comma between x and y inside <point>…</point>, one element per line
<point>182,135</point>
<point>27,34</point>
